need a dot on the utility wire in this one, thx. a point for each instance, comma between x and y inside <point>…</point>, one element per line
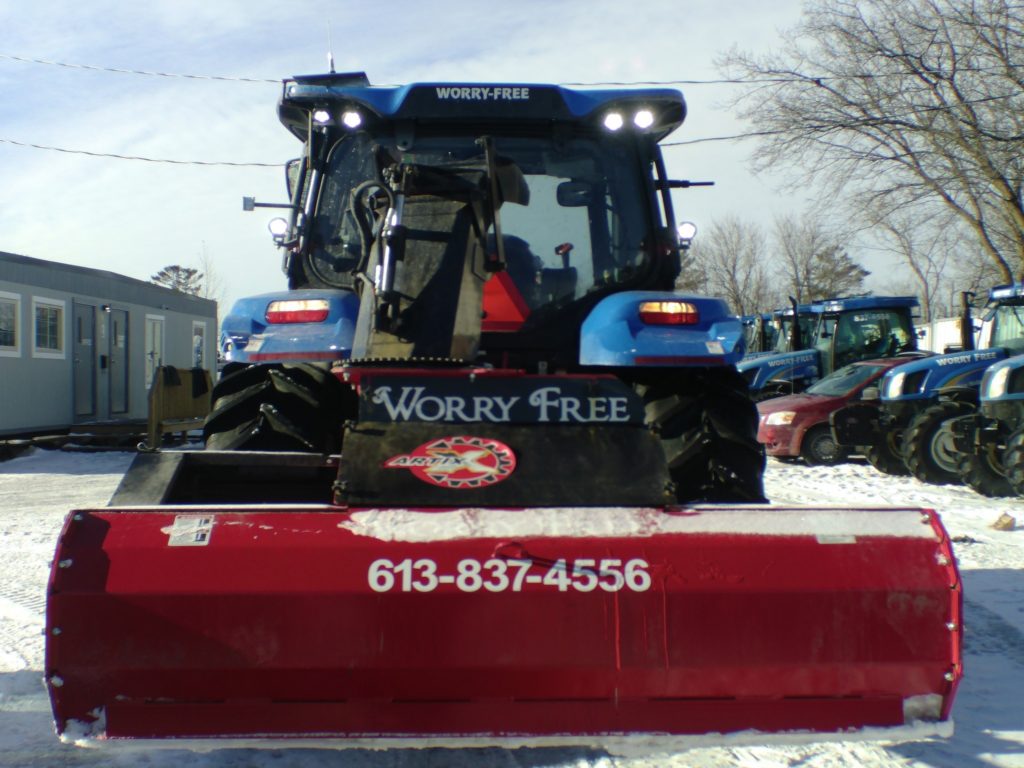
<point>125,71</point>
<point>94,68</point>
<point>137,157</point>
<point>781,79</point>
<point>623,83</point>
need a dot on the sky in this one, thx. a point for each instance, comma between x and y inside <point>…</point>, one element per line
<point>135,217</point>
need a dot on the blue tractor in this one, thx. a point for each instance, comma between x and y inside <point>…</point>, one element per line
<point>990,441</point>
<point>519,228</point>
<point>833,333</point>
<point>926,403</point>
<point>442,496</point>
<point>775,332</point>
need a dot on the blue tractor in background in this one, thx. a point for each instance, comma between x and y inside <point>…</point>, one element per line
<point>926,403</point>
<point>485,228</point>
<point>776,332</point>
<point>990,441</point>
<point>833,333</point>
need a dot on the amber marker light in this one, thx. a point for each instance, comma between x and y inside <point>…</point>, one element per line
<point>668,313</point>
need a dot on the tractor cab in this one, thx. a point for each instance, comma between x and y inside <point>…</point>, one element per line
<point>841,331</point>
<point>479,223</point>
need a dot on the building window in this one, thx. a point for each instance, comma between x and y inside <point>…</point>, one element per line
<point>49,328</point>
<point>198,344</point>
<point>10,314</point>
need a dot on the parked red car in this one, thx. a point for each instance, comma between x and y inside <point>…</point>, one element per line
<point>797,425</point>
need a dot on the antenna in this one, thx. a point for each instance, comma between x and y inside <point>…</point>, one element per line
<point>330,49</point>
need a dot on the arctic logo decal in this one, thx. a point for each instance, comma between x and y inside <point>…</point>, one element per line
<point>460,462</point>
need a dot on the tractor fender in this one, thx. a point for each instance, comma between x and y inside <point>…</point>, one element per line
<point>615,333</point>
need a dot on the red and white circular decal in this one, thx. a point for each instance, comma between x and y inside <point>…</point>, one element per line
<point>460,462</point>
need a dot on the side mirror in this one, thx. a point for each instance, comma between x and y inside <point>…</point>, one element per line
<point>870,393</point>
<point>574,194</point>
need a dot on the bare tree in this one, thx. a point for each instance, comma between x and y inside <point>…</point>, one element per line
<point>902,103</point>
<point>729,261</point>
<point>212,286</point>
<point>179,278</point>
<point>928,248</point>
<point>814,263</point>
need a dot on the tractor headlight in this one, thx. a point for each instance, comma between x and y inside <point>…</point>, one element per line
<point>644,118</point>
<point>351,119</point>
<point>780,418</point>
<point>997,383</point>
<point>894,386</point>
<point>613,121</point>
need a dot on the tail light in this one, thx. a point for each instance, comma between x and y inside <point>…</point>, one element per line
<point>298,311</point>
<point>669,313</point>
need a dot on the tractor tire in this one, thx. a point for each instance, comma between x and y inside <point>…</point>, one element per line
<point>928,449</point>
<point>708,427</point>
<point>277,407</point>
<point>818,448</point>
<point>985,472</point>
<point>1013,461</point>
<point>887,456</point>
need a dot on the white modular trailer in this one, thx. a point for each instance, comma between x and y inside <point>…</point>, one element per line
<point>80,345</point>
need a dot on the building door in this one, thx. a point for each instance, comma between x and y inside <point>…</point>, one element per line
<point>117,338</point>
<point>154,346</point>
<point>84,368</point>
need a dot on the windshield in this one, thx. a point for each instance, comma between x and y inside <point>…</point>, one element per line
<point>581,225</point>
<point>862,335</point>
<point>1008,327</point>
<point>783,329</point>
<point>845,380</point>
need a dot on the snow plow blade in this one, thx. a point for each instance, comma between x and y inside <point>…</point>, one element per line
<point>547,624</point>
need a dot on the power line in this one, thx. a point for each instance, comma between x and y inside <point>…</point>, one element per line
<point>151,73</point>
<point>137,157</point>
<point>780,79</point>
<point>95,68</point>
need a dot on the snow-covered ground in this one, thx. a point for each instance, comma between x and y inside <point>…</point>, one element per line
<point>37,490</point>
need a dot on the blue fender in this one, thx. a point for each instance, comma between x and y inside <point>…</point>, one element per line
<point>613,334</point>
<point>247,337</point>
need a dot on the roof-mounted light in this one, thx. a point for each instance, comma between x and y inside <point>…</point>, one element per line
<point>643,119</point>
<point>298,311</point>
<point>278,227</point>
<point>613,121</point>
<point>351,119</point>
<point>686,230</point>
<point>669,313</point>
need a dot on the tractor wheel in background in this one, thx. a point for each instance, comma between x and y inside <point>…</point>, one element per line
<point>708,427</point>
<point>985,473</point>
<point>928,449</point>
<point>818,447</point>
<point>1013,461</point>
<point>887,456</point>
<point>277,407</point>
